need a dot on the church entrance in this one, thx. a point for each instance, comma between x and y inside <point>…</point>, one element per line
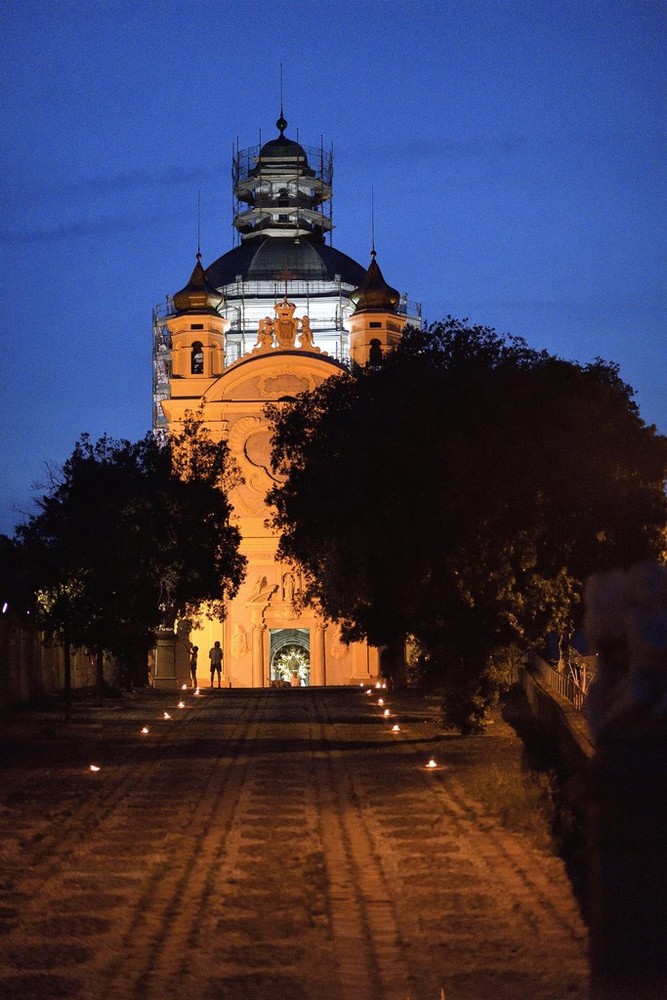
<point>289,657</point>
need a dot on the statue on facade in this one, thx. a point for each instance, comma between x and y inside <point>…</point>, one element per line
<point>239,642</point>
<point>288,588</point>
<point>262,591</point>
<point>265,334</point>
<point>306,342</point>
<point>280,333</point>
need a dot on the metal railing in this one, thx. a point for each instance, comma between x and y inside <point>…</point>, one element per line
<point>563,684</point>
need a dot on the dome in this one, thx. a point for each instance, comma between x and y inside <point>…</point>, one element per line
<point>281,150</point>
<point>270,257</point>
<point>373,293</point>
<point>198,295</point>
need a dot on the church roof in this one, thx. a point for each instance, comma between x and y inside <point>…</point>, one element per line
<point>373,293</point>
<point>271,257</point>
<point>198,295</point>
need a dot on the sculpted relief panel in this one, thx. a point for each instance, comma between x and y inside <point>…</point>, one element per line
<point>283,382</point>
<point>281,332</point>
<point>250,443</point>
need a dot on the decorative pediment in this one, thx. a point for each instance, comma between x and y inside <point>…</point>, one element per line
<point>267,377</point>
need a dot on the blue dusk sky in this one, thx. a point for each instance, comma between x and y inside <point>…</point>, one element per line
<point>516,151</point>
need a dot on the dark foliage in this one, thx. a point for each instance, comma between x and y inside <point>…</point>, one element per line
<point>461,492</point>
<point>127,537</point>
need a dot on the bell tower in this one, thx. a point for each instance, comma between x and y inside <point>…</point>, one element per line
<point>197,332</point>
<point>375,326</point>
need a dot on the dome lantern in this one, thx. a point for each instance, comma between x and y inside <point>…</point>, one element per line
<point>280,188</point>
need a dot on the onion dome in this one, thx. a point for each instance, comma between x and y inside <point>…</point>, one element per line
<point>374,294</point>
<point>198,296</point>
<point>281,149</point>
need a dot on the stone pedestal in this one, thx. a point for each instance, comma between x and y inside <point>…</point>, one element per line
<point>172,661</point>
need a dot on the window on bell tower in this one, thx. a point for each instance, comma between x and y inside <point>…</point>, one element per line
<point>375,352</point>
<point>197,358</point>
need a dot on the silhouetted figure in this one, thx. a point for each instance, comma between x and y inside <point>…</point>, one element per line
<point>193,665</point>
<point>215,656</point>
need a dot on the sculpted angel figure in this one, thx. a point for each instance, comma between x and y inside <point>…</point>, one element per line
<point>264,335</point>
<point>306,341</point>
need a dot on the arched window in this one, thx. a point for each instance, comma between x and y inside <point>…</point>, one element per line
<point>375,353</point>
<point>197,358</point>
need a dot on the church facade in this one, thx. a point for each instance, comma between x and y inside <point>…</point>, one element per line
<point>273,317</point>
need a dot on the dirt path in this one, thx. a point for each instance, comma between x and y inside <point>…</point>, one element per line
<point>283,845</point>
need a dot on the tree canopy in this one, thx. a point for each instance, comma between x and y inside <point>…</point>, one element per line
<point>127,537</point>
<point>461,491</point>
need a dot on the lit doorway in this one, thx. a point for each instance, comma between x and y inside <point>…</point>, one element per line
<point>289,657</point>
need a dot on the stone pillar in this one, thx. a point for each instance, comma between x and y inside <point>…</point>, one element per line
<point>365,663</point>
<point>164,670</point>
<point>318,656</point>
<point>258,679</point>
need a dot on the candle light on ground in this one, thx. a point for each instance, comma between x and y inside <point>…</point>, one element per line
<point>380,702</point>
<point>144,730</point>
<point>181,704</point>
<point>396,729</point>
<point>94,767</point>
<point>387,713</point>
<point>166,715</point>
<point>431,764</point>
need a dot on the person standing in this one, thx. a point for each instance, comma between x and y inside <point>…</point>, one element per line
<point>215,656</point>
<point>193,665</point>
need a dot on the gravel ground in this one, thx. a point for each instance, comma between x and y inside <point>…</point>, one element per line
<point>283,845</point>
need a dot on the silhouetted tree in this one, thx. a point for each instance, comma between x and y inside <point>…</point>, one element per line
<point>127,537</point>
<point>460,492</point>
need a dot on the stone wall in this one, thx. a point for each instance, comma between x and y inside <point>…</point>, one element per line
<point>30,669</point>
<point>559,717</point>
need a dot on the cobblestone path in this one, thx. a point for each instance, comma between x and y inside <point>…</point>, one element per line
<point>282,845</point>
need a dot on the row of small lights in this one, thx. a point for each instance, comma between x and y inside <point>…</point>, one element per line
<point>166,717</point>
<point>431,764</point>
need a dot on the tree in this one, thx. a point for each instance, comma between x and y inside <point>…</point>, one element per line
<point>460,492</point>
<point>127,537</point>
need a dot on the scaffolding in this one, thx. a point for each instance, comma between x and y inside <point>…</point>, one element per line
<point>289,189</point>
<point>161,364</point>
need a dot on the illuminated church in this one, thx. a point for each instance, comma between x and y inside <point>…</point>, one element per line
<point>271,318</point>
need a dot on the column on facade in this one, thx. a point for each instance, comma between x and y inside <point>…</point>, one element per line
<point>317,656</point>
<point>258,656</point>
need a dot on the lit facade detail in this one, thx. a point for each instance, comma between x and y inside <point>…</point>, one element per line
<point>273,317</point>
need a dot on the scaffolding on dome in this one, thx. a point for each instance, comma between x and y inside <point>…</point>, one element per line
<point>310,175</point>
